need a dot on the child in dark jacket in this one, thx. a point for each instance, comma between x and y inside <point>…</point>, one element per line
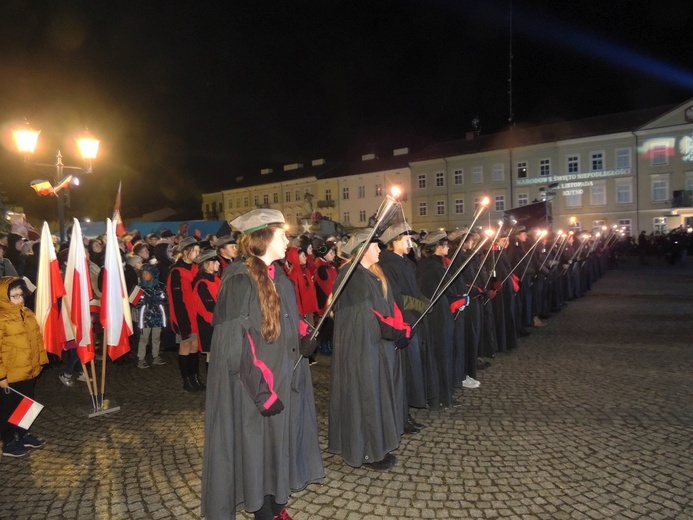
<point>151,315</point>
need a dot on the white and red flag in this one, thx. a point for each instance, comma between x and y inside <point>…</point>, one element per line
<point>115,307</point>
<point>49,290</point>
<point>78,289</point>
<point>136,295</point>
<point>25,413</point>
<point>120,227</point>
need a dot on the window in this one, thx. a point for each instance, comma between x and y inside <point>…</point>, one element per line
<point>265,199</point>
<point>659,225</point>
<point>297,194</point>
<point>459,177</point>
<point>659,155</point>
<point>689,182</point>
<point>623,158</point>
<point>498,172</point>
<point>598,193</point>
<point>440,179</point>
<point>477,202</point>
<point>275,197</point>
<point>545,167</point>
<point>522,169</point>
<point>627,224</point>
<point>459,206</point>
<point>362,192</point>
<point>522,199</point>
<point>378,190</point>
<point>362,216</point>
<point>624,191</point>
<point>229,204</point>
<point>423,211</point>
<point>478,174</point>
<point>660,190</point>
<point>597,161</point>
<point>256,200</point>
<point>575,225</point>
<point>345,193</point>
<point>422,180</point>
<point>238,202</point>
<point>573,199</point>
<point>440,207</point>
<point>500,202</point>
<point>328,194</point>
<point>598,224</point>
<point>346,218</point>
<point>245,202</point>
<point>573,164</point>
<point>287,196</point>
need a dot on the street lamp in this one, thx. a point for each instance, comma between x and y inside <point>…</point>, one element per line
<point>26,139</point>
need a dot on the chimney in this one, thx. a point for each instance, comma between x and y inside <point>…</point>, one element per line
<point>265,171</point>
<point>400,151</point>
<point>294,166</point>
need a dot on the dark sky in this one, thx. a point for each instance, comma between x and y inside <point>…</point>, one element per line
<point>186,95</point>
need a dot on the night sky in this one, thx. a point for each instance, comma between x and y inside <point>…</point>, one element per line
<point>187,95</point>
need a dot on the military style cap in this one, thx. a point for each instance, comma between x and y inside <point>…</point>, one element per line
<point>394,231</point>
<point>257,219</point>
<point>520,229</point>
<point>186,243</point>
<point>435,238</point>
<point>458,233</point>
<point>356,240</point>
<point>207,254</point>
<point>224,240</point>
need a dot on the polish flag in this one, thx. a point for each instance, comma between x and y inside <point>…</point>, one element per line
<point>49,290</point>
<point>78,289</point>
<point>120,227</point>
<point>26,412</point>
<point>136,295</point>
<point>115,307</point>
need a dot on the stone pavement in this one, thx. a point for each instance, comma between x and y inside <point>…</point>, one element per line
<point>591,417</point>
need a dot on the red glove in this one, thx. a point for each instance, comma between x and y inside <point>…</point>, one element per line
<point>460,304</point>
<point>491,294</point>
<point>497,286</point>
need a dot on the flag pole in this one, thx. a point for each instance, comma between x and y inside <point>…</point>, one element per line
<point>103,370</point>
<point>85,371</point>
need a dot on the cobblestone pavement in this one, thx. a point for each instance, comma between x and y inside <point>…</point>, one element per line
<point>591,417</point>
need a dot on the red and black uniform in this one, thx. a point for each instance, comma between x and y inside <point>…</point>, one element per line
<point>223,263</point>
<point>179,288</point>
<point>205,293</point>
<point>325,276</point>
<point>302,278</point>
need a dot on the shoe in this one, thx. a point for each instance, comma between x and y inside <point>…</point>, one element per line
<point>416,424</point>
<point>158,361</point>
<point>67,381</point>
<point>410,428</point>
<point>312,361</point>
<point>31,441</point>
<point>142,363</point>
<point>454,403</point>
<point>15,449</point>
<point>538,323</point>
<point>383,465</point>
<point>482,364</point>
<point>471,383</point>
<point>197,381</point>
<point>189,385</point>
<point>81,377</point>
<point>283,516</point>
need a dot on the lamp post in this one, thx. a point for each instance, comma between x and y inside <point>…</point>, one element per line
<point>26,140</point>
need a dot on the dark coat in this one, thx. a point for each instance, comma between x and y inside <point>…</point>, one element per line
<point>366,390</point>
<point>401,275</point>
<point>247,455</point>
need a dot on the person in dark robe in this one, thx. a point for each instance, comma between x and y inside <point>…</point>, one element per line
<point>401,278</point>
<point>261,431</point>
<point>436,333</point>
<point>366,390</point>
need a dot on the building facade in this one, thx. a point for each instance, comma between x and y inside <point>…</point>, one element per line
<point>633,170</point>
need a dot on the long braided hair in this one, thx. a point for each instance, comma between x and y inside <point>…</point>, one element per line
<point>253,246</point>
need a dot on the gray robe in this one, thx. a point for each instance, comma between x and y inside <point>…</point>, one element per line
<point>366,390</point>
<point>246,455</point>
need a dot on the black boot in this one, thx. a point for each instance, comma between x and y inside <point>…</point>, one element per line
<point>197,381</point>
<point>189,385</point>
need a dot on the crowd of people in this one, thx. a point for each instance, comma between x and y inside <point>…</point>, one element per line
<point>417,316</point>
